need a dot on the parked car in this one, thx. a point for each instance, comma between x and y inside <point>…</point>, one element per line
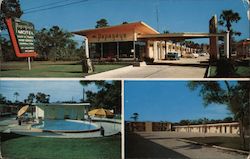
<point>195,55</point>
<point>202,53</point>
<point>173,56</point>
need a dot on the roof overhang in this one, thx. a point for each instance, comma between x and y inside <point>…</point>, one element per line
<point>201,125</point>
<point>137,27</point>
<point>179,36</point>
<point>61,104</point>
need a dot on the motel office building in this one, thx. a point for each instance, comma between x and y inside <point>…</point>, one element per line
<point>132,41</point>
<point>220,128</point>
<point>61,111</point>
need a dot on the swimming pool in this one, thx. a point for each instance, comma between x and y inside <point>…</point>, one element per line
<point>67,126</point>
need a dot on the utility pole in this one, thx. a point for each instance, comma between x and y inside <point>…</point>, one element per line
<point>83,95</point>
<point>157,17</point>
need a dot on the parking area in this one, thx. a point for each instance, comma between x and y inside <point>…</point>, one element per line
<point>202,60</point>
<point>168,145</point>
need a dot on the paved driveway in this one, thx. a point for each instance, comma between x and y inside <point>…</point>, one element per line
<point>183,68</point>
<point>153,71</point>
<point>171,147</point>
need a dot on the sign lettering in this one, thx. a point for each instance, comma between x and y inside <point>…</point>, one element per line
<point>24,32</point>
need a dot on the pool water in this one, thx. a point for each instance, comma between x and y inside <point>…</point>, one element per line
<point>65,125</point>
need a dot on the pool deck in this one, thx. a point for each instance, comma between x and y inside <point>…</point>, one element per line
<point>25,129</point>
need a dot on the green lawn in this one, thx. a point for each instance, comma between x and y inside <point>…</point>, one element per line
<point>24,147</point>
<point>242,71</point>
<point>49,69</point>
<point>229,142</point>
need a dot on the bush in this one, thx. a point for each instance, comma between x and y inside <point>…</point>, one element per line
<point>226,68</point>
<point>148,60</point>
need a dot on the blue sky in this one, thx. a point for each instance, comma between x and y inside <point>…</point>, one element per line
<point>174,15</point>
<point>57,89</point>
<point>167,101</point>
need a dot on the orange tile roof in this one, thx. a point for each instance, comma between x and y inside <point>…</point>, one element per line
<point>137,27</point>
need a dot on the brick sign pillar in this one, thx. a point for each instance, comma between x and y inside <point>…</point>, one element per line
<point>213,41</point>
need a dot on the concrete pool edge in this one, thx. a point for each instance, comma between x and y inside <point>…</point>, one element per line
<point>111,129</point>
<point>32,127</point>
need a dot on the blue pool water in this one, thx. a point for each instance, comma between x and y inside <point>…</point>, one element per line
<point>65,125</point>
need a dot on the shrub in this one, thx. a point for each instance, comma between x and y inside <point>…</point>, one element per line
<point>148,60</point>
<point>226,68</point>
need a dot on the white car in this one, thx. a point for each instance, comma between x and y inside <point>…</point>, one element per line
<point>195,55</point>
<point>203,54</point>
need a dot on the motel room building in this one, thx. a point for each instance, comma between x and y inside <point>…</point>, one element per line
<point>148,126</point>
<point>243,48</point>
<point>61,111</point>
<point>132,41</point>
<point>219,128</point>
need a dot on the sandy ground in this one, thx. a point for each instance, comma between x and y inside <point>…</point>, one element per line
<point>168,146</point>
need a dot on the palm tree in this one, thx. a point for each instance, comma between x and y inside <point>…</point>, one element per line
<point>2,99</point>
<point>31,97</point>
<point>166,31</point>
<point>16,94</point>
<point>228,17</point>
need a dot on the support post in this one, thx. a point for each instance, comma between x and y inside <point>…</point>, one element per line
<point>87,63</point>
<point>135,39</point>
<point>166,50</point>
<point>226,44</point>
<point>134,50</point>
<point>155,50</point>
<point>101,50</point>
<point>29,63</point>
<point>117,50</point>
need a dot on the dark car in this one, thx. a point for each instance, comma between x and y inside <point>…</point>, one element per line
<point>173,56</point>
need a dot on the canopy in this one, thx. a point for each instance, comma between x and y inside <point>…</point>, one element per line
<point>22,110</point>
<point>101,112</point>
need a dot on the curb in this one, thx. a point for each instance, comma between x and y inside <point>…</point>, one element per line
<point>218,147</point>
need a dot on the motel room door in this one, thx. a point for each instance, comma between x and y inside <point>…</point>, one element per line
<point>73,114</point>
<point>60,113</point>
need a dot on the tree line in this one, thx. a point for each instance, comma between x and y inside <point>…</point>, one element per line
<point>39,97</point>
<point>108,96</point>
<point>204,121</point>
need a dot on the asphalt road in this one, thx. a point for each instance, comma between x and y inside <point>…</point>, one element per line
<point>167,145</point>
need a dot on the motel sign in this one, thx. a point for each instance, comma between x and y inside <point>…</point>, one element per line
<point>24,32</point>
<point>22,38</point>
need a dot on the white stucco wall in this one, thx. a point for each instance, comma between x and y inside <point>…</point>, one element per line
<point>61,111</point>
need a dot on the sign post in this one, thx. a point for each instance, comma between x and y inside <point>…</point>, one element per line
<point>22,38</point>
<point>29,63</point>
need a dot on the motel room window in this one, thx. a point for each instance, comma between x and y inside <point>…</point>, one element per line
<point>109,50</point>
<point>140,49</point>
<point>95,50</point>
<point>125,49</point>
